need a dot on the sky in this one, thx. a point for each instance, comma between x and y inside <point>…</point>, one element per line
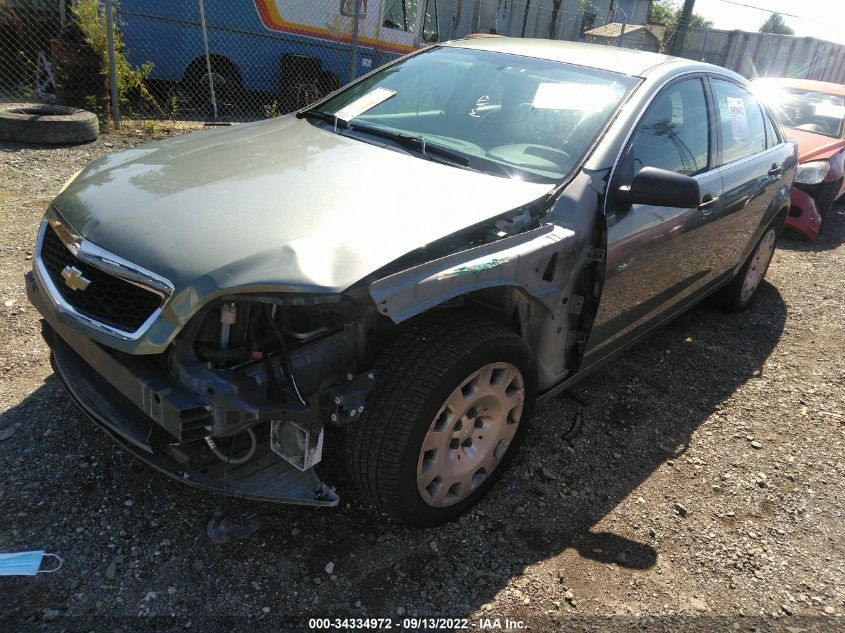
<point>823,19</point>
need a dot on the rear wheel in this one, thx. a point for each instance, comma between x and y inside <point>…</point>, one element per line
<point>228,86</point>
<point>738,294</point>
<point>453,400</point>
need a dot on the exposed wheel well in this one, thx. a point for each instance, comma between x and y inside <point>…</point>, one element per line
<point>839,183</point>
<point>500,304</point>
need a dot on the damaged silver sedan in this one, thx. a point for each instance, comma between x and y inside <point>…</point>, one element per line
<point>408,267</point>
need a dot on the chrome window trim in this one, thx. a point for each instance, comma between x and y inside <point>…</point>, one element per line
<point>107,262</point>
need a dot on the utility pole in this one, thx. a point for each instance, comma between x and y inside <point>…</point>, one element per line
<point>624,26</point>
<point>681,29</point>
<point>208,61</point>
<point>115,104</point>
<point>353,60</point>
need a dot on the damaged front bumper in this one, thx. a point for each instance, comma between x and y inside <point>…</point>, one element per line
<point>161,422</point>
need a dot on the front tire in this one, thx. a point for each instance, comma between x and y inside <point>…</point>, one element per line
<point>455,394</point>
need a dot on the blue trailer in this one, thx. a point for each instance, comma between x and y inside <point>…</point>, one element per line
<point>298,50</point>
<point>286,48</point>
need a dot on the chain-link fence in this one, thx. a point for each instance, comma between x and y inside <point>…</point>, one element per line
<point>203,59</point>
<point>245,60</point>
<point>544,20</point>
<point>26,32</point>
<point>238,60</point>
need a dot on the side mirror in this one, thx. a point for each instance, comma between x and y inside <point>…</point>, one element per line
<point>661,188</point>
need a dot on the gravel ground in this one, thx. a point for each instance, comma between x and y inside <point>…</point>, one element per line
<point>704,489</point>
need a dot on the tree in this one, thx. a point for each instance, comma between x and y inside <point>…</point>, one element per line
<point>775,24</point>
<point>661,12</point>
<point>667,12</point>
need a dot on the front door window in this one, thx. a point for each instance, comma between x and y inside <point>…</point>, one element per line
<point>673,134</point>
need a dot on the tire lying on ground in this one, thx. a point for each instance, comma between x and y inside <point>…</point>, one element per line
<point>47,124</point>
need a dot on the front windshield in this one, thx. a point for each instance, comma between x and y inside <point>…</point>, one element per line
<point>805,110</point>
<point>506,115</point>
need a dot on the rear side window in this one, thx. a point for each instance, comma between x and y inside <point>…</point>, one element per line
<point>741,121</point>
<point>673,134</point>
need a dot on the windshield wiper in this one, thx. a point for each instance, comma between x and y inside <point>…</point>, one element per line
<point>322,116</point>
<point>415,143</point>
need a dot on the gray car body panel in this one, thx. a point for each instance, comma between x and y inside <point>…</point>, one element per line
<point>542,265</point>
<point>292,208</point>
<point>274,206</point>
<point>517,261</point>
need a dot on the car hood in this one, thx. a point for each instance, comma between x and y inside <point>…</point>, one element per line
<point>276,205</point>
<point>812,146</point>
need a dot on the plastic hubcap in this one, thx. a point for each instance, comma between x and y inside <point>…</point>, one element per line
<point>470,434</point>
<point>759,262</point>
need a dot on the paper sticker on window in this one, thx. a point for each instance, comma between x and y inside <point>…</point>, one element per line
<point>362,104</point>
<point>739,121</point>
<point>569,96</point>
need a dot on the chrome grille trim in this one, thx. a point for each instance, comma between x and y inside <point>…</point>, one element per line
<point>107,262</point>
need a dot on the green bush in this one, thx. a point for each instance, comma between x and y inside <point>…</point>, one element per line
<point>90,16</point>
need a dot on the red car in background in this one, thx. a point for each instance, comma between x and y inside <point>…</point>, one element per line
<point>813,115</point>
<point>804,218</point>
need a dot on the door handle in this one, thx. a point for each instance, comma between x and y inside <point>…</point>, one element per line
<point>707,202</point>
<point>775,170</point>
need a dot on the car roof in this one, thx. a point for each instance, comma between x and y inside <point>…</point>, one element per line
<point>810,85</point>
<point>620,60</point>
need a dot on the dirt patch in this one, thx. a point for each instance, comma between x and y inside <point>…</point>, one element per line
<point>704,490</point>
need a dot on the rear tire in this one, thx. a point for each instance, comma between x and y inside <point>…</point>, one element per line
<point>453,398</point>
<point>739,293</point>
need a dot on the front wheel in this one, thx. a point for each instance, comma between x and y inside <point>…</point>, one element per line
<point>737,295</point>
<point>454,396</point>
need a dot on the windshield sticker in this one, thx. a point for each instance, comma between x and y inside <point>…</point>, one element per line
<point>830,110</point>
<point>362,104</point>
<point>739,121</point>
<point>570,96</point>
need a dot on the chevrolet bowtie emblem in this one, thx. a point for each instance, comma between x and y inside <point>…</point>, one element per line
<point>74,279</point>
